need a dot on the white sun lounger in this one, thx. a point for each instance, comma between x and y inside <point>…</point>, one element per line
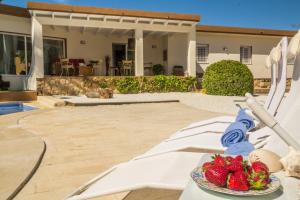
<point>278,65</point>
<point>171,170</point>
<point>156,172</point>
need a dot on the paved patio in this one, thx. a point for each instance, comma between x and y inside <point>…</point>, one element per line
<point>84,141</point>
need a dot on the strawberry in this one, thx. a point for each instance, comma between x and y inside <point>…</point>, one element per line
<point>229,159</point>
<point>206,166</point>
<point>238,181</point>
<point>259,177</point>
<point>217,175</point>
<point>235,166</point>
<point>258,166</point>
<point>219,160</point>
<point>258,181</point>
<point>239,158</point>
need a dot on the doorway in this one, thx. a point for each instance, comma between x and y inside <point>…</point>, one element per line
<point>118,54</point>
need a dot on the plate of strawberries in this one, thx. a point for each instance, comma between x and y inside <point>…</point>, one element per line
<point>234,175</point>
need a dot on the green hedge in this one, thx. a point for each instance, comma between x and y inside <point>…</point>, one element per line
<point>133,85</point>
<point>229,78</point>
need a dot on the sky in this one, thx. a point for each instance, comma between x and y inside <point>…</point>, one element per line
<point>272,14</point>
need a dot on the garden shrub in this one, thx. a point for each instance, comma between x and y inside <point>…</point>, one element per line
<point>128,85</point>
<point>159,83</point>
<point>158,69</point>
<point>228,78</point>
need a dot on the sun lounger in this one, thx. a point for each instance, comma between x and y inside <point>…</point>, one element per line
<point>156,172</point>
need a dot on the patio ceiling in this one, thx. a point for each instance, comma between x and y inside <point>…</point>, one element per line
<point>110,31</point>
<point>111,22</point>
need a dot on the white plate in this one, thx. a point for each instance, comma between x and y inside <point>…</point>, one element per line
<point>199,178</point>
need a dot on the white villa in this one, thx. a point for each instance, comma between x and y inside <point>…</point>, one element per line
<point>35,42</point>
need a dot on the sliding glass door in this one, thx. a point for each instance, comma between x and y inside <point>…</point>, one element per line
<point>53,51</point>
<point>12,54</point>
<point>16,52</point>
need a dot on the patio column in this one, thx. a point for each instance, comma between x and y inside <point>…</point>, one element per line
<point>191,54</point>
<point>37,60</point>
<point>139,53</point>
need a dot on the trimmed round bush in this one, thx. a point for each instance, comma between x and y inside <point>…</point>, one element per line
<point>227,78</point>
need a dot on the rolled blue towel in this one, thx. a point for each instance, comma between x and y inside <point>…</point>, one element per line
<point>245,119</point>
<point>241,148</point>
<point>235,133</point>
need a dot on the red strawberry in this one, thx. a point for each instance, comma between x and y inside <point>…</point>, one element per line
<point>258,181</point>
<point>258,166</point>
<point>229,159</point>
<point>239,158</point>
<point>206,166</point>
<point>238,181</point>
<point>217,175</point>
<point>259,177</point>
<point>235,166</point>
<point>219,160</point>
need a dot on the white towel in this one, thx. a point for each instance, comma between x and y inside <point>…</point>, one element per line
<point>294,46</point>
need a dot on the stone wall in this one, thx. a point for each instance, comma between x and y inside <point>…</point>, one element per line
<point>263,85</point>
<point>55,85</point>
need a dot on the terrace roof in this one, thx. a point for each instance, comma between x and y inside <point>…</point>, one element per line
<point>249,31</point>
<point>110,11</point>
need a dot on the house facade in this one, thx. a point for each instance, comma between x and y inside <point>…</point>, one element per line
<point>34,39</point>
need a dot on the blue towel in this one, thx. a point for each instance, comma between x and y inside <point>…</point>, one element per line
<point>241,148</point>
<point>245,119</point>
<point>236,132</point>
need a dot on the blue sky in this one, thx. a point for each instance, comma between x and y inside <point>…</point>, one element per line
<point>274,14</point>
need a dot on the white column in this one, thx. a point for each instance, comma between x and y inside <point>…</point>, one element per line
<point>37,60</point>
<point>191,54</point>
<point>139,53</point>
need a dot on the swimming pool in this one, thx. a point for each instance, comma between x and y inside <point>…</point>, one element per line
<point>8,108</point>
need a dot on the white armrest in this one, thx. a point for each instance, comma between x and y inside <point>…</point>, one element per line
<point>269,120</point>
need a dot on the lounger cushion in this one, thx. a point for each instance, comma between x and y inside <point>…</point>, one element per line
<point>268,62</point>
<point>276,54</point>
<point>294,46</point>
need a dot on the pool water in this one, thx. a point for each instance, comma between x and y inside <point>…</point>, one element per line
<point>8,108</point>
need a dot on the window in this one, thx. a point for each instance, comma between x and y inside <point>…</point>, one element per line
<point>53,50</point>
<point>15,53</point>
<point>246,54</point>
<point>202,53</point>
<point>12,54</point>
